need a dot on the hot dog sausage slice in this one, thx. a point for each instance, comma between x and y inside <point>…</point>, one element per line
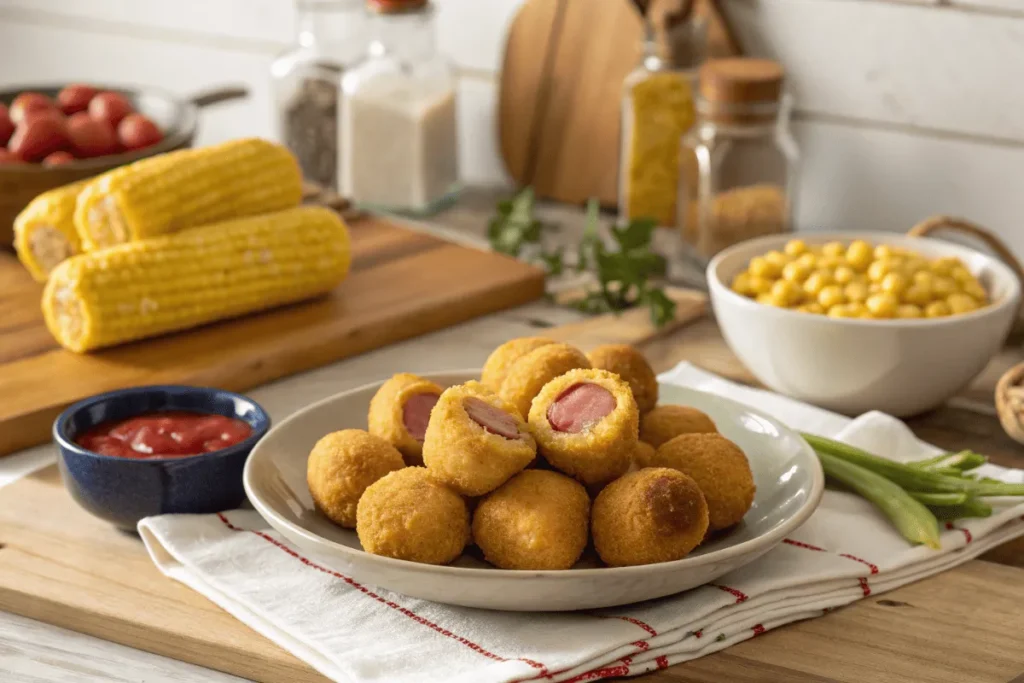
<point>579,407</point>
<point>490,418</point>
<point>416,414</point>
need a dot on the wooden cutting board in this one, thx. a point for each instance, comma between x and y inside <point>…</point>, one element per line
<point>60,565</point>
<point>561,90</point>
<point>403,284</point>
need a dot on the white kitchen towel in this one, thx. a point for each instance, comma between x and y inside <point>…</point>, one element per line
<point>359,633</point>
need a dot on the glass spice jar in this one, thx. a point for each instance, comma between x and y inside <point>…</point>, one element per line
<point>399,140</point>
<point>745,154</point>
<point>304,83</point>
<point>657,109</point>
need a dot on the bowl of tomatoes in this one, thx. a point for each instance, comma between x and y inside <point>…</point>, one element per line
<point>55,135</point>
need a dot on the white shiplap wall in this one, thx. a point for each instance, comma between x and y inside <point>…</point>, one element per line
<point>905,109</point>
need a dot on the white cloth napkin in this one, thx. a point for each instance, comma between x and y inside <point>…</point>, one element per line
<point>351,632</point>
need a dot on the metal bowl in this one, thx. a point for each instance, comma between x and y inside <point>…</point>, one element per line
<point>177,117</point>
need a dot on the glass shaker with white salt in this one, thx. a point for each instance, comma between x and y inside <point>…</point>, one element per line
<point>398,143</point>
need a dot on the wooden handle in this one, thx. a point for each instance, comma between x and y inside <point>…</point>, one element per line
<point>930,225</point>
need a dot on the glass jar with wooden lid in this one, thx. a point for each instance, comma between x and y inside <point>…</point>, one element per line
<point>745,154</point>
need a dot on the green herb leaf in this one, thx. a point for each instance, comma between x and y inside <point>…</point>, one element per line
<point>636,234</point>
<point>663,309</point>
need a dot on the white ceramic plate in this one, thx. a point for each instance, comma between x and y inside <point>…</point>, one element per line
<point>789,486</point>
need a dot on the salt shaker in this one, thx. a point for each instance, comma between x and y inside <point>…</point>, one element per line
<point>398,117</point>
<point>304,83</point>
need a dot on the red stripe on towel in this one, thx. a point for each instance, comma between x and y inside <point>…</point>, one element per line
<point>758,629</point>
<point>873,567</point>
<point>801,544</point>
<point>865,588</point>
<point>662,662</point>
<point>739,595</point>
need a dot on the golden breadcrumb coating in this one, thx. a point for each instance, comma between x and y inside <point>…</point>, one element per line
<point>386,417</point>
<point>531,372</point>
<point>652,515</point>
<point>503,357</point>
<point>720,469</point>
<point>604,449</point>
<point>667,422</point>
<point>629,364</point>
<point>341,466</point>
<point>465,455</point>
<point>411,516</point>
<point>536,520</point>
<point>643,455</point>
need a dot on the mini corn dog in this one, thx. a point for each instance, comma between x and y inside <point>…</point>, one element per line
<point>399,413</point>
<point>528,375</point>
<point>44,232</point>
<point>185,189</point>
<point>146,288</point>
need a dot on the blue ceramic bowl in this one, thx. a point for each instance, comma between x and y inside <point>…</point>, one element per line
<point>124,490</point>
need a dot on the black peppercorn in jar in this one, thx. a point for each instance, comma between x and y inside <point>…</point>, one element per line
<point>306,80</point>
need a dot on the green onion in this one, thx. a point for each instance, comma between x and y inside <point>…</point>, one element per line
<point>912,519</point>
<point>972,508</point>
<point>941,499</point>
<point>951,463</point>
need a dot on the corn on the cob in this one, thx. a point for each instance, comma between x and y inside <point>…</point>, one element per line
<point>44,231</point>
<point>186,189</point>
<point>146,288</point>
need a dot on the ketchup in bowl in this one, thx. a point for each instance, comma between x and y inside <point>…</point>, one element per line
<point>165,435</point>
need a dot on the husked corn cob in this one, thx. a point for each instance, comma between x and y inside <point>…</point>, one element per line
<point>186,189</point>
<point>146,288</point>
<point>44,231</point>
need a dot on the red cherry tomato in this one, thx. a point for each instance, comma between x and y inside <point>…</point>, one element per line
<point>110,107</point>
<point>58,158</point>
<point>37,138</point>
<point>8,157</point>
<point>26,102</point>
<point>91,137</point>
<point>75,98</point>
<point>137,131</point>
<point>6,125</point>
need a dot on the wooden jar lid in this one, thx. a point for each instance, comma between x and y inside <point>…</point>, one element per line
<point>741,81</point>
<point>395,6</point>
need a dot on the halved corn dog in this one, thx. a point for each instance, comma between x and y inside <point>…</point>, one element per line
<point>44,231</point>
<point>185,189</point>
<point>146,288</point>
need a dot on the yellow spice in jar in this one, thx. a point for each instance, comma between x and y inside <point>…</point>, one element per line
<point>859,280</point>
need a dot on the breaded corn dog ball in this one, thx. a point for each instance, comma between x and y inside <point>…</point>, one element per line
<point>720,469</point>
<point>653,515</point>
<point>476,441</point>
<point>643,455</point>
<point>341,466</point>
<point>631,366</point>
<point>399,413</point>
<point>502,358</point>
<point>411,516</point>
<point>667,422</point>
<point>536,520</point>
<point>531,372</point>
<point>585,423</point>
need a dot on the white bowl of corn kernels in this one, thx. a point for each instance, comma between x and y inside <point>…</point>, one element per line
<point>865,321</point>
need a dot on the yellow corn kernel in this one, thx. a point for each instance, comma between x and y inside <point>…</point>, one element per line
<point>858,255</point>
<point>909,311</point>
<point>856,309</point>
<point>913,265</point>
<point>894,283</point>
<point>795,272</point>
<point>150,287</point>
<point>884,251</point>
<point>843,275</point>
<point>741,284</point>
<point>945,265</point>
<point>816,281</point>
<point>796,247</point>
<point>961,275</point>
<point>759,285</point>
<point>883,305</point>
<point>808,259</point>
<point>856,292</point>
<point>937,309</point>
<point>831,262</point>
<point>830,296</point>
<point>976,290</point>
<point>924,277</point>
<point>778,258</point>
<point>44,231</point>
<point>768,300</point>
<point>188,188</point>
<point>813,307</point>
<point>918,294</point>
<point>833,249</point>
<point>961,303</point>
<point>878,270</point>
<point>759,265</point>
<point>787,292</point>
<point>943,287</point>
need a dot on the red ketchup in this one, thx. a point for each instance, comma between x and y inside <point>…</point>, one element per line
<point>165,435</point>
